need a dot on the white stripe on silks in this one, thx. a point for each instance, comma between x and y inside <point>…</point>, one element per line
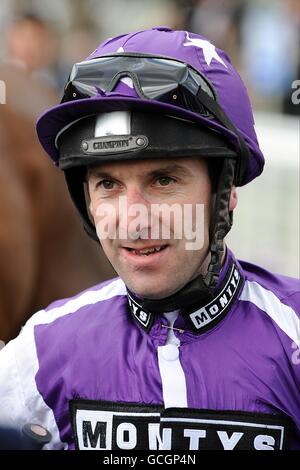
<point>113,289</point>
<point>171,371</point>
<point>173,381</point>
<point>283,315</point>
<point>24,351</point>
<point>27,366</point>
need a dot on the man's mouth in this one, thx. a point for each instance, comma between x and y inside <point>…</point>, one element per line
<point>146,251</point>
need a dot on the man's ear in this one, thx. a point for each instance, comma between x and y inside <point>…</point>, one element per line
<point>233,199</point>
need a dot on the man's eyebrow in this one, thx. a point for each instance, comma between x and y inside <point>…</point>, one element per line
<point>163,170</point>
<point>98,173</point>
<point>171,169</point>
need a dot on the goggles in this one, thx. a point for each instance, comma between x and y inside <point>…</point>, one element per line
<point>155,78</point>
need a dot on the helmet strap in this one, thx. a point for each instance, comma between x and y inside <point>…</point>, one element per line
<point>221,222</point>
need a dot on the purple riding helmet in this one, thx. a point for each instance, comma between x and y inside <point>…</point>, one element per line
<point>175,81</point>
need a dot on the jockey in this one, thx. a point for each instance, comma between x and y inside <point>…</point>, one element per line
<point>188,348</point>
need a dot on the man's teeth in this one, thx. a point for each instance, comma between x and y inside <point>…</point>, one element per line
<point>147,251</point>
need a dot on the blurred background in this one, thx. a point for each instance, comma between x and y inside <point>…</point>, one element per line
<point>40,41</point>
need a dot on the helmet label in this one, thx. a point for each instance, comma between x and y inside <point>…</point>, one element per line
<point>114,144</point>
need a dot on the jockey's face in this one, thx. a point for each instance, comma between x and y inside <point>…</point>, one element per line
<point>152,218</point>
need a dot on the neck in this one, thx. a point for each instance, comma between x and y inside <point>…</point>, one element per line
<point>202,306</point>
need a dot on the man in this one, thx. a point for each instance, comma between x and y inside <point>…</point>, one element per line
<point>29,43</point>
<point>189,348</point>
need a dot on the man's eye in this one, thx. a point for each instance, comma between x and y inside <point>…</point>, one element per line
<point>106,184</point>
<point>165,180</point>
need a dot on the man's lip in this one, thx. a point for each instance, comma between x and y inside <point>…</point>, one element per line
<point>135,259</point>
<point>144,247</point>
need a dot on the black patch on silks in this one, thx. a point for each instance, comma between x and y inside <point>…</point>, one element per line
<point>204,316</point>
<point>105,425</point>
<point>210,314</point>
<point>144,318</point>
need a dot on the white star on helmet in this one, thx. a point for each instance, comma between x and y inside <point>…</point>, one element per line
<point>209,50</point>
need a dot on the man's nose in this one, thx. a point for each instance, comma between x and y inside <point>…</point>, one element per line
<point>135,216</point>
<point>136,195</point>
